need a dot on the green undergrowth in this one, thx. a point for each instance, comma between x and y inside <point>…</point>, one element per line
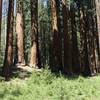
<point>47,86</point>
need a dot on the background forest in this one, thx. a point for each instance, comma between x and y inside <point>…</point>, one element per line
<point>49,50</point>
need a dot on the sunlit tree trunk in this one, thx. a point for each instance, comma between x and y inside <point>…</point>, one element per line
<point>97,3</point>
<point>56,40</point>
<point>20,34</point>
<point>97,6</point>
<point>8,61</point>
<point>34,56</point>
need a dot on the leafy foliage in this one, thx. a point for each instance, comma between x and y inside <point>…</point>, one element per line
<point>46,86</point>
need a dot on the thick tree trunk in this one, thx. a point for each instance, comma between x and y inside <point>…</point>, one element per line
<point>85,66</point>
<point>34,56</point>
<point>20,34</point>
<point>97,6</point>
<point>75,50</point>
<point>91,40</point>
<point>0,21</point>
<point>83,51</point>
<point>97,3</point>
<point>56,41</point>
<point>67,40</point>
<point>8,61</point>
<point>88,59</point>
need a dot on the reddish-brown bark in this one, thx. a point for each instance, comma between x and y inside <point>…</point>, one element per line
<point>20,34</point>
<point>34,56</point>
<point>8,61</point>
<point>56,38</point>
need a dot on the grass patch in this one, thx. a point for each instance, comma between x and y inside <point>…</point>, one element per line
<point>46,86</point>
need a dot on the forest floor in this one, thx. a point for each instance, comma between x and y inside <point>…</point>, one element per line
<point>44,85</point>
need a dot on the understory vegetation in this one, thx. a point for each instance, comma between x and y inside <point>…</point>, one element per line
<point>46,47</point>
<point>48,86</point>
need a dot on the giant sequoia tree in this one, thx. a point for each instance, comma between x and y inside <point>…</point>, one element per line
<point>20,33</point>
<point>8,61</point>
<point>56,42</point>
<point>34,56</point>
<point>88,37</point>
<point>67,39</point>
<point>97,4</point>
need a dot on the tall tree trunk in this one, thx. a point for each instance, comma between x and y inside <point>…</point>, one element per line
<point>57,59</point>
<point>20,34</point>
<point>91,39</point>
<point>85,67</point>
<point>0,21</point>
<point>88,60</point>
<point>8,61</point>
<point>75,50</point>
<point>67,40</point>
<point>34,56</point>
<point>97,3</point>
<point>97,6</point>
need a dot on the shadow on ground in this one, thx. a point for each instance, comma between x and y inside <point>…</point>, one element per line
<point>17,72</point>
<point>20,73</point>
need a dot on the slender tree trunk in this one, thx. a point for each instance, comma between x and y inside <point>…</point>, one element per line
<point>0,21</point>
<point>59,41</point>
<point>20,34</point>
<point>5,20</point>
<point>34,56</point>
<point>8,61</point>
